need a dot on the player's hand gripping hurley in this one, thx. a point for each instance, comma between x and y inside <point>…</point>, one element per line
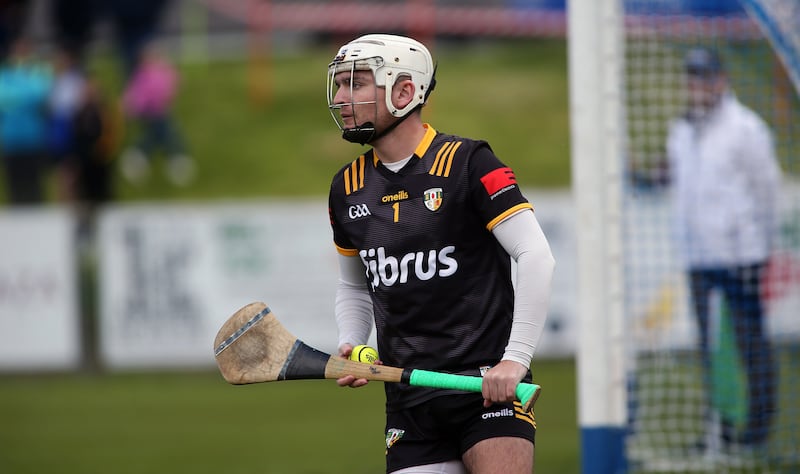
<point>253,346</point>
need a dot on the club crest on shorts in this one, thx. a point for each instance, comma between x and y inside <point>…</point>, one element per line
<point>393,435</point>
<point>433,198</point>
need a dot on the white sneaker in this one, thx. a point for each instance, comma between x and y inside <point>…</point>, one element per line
<point>135,165</point>
<point>180,170</point>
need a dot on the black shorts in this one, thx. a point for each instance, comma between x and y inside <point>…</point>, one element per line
<point>445,427</point>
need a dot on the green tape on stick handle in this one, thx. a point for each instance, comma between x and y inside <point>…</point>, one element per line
<point>527,393</point>
<point>466,383</point>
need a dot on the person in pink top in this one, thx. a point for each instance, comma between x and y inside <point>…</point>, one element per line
<point>148,99</point>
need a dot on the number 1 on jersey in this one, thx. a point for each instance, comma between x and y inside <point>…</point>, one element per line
<point>396,207</point>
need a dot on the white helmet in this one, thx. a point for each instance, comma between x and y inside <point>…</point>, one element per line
<point>388,57</point>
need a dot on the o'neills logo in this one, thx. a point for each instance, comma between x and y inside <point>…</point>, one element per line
<point>498,414</point>
<point>433,198</point>
<point>398,196</point>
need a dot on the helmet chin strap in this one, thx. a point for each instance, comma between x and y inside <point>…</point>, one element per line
<point>368,133</point>
<point>360,134</point>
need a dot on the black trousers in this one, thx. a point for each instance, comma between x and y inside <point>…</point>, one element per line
<point>25,173</point>
<point>741,287</point>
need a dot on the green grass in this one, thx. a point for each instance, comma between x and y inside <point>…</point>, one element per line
<point>196,423</point>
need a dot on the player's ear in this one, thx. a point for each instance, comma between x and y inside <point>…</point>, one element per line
<point>403,92</point>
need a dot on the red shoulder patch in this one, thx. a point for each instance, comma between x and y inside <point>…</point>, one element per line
<point>498,179</point>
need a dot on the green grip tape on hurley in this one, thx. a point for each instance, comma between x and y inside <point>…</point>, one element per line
<point>526,392</point>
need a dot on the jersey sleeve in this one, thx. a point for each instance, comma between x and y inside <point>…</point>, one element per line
<point>335,200</point>
<point>493,187</point>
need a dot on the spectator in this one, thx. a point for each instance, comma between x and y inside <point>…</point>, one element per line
<point>88,170</point>
<point>25,85</point>
<point>65,98</point>
<point>726,179</point>
<point>149,99</point>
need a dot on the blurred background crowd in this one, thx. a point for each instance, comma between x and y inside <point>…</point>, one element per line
<point>56,120</point>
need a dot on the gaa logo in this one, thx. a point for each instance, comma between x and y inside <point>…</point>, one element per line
<point>433,198</point>
<point>358,211</point>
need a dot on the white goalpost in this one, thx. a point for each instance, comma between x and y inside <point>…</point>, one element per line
<point>650,400</point>
<point>596,121</point>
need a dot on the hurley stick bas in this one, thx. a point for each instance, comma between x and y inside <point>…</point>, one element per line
<point>253,347</point>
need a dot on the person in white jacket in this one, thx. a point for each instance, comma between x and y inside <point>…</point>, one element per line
<point>726,177</point>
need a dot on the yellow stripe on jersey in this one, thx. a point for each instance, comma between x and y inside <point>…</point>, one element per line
<point>436,163</point>
<point>509,212</point>
<point>524,415</point>
<point>362,167</point>
<point>346,252</point>
<point>444,159</point>
<point>354,177</point>
<point>450,159</point>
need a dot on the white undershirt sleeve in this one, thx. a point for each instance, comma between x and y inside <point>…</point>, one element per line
<point>353,306</point>
<point>523,239</point>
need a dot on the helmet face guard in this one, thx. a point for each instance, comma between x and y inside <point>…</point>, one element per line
<point>363,131</point>
<point>388,57</point>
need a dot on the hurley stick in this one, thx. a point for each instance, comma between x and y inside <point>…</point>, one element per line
<point>253,347</point>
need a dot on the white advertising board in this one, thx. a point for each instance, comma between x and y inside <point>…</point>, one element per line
<point>39,317</point>
<point>171,275</point>
<point>555,212</point>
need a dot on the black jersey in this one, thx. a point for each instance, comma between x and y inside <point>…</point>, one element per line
<point>440,282</point>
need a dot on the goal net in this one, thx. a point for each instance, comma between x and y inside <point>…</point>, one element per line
<point>723,398</point>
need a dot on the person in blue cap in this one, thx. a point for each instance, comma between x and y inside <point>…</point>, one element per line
<point>726,180</point>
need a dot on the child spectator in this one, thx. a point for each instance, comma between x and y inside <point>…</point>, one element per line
<point>88,169</point>
<point>65,98</point>
<point>148,99</point>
